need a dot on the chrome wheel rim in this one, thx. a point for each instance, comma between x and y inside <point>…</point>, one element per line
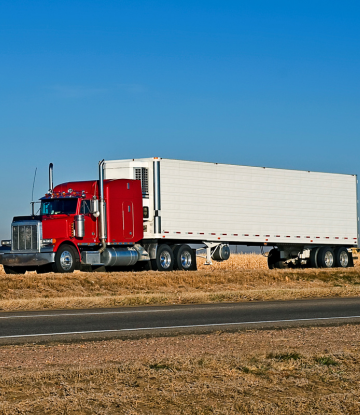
<point>66,260</point>
<point>185,259</point>
<point>165,259</point>
<point>344,259</point>
<point>329,259</point>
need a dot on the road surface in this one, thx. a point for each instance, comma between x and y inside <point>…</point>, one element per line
<point>73,325</point>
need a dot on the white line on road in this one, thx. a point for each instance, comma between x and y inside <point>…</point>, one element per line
<point>178,327</point>
<point>88,314</point>
<point>99,313</point>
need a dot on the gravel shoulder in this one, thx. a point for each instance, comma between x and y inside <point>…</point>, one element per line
<point>292,371</point>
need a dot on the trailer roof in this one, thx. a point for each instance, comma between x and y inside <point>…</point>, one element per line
<point>228,164</point>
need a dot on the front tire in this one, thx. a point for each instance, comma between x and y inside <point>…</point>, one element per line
<point>164,260</point>
<point>185,258</point>
<point>65,259</point>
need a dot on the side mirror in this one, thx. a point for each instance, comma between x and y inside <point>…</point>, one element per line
<point>94,208</point>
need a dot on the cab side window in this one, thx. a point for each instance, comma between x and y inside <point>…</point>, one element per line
<point>85,208</point>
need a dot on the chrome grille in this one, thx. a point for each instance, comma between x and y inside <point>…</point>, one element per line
<point>24,237</point>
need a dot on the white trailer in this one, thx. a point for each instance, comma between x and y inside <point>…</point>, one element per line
<point>309,218</point>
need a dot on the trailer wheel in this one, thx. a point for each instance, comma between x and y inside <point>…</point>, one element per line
<point>326,257</point>
<point>164,259</point>
<point>14,270</point>
<point>185,258</point>
<point>272,258</point>
<point>342,257</point>
<point>314,257</point>
<point>65,259</point>
<point>274,261</point>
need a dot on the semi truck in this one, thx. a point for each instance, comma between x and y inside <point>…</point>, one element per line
<point>152,213</point>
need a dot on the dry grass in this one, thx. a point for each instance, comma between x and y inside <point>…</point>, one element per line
<point>242,278</point>
<point>293,371</point>
<point>236,262</point>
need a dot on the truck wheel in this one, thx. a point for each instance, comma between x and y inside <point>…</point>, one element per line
<point>342,257</point>
<point>185,258</point>
<point>14,270</point>
<point>272,258</point>
<point>326,257</point>
<point>274,261</point>
<point>164,259</point>
<point>65,259</point>
<point>314,257</point>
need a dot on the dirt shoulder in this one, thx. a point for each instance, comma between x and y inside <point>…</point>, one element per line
<point>300,370</point>
<point>242,278</point>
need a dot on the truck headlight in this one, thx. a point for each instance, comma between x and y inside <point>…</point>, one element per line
<point>48,241</point>
<point>6,242</point>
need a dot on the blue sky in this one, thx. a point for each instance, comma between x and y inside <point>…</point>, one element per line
<point>269,83</point>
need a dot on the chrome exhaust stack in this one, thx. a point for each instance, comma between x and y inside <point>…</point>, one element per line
<point>102,206</point>
<point>51,182</point>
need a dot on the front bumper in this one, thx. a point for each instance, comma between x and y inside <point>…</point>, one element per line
<point>27,259</point>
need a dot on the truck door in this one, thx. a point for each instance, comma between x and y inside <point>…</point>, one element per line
<point>128,219</point>
<point>90,221</point>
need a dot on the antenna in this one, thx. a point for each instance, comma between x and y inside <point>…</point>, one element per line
<point>32,193</point>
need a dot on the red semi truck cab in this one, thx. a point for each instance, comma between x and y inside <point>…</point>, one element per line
<point>68,213</point>
<point>68,231</point>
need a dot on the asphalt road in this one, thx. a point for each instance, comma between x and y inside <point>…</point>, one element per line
<point>73,325</point>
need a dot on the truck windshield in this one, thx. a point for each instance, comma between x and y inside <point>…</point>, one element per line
<point>58,206</point>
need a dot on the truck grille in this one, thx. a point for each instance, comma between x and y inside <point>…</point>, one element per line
<point>25,237</point>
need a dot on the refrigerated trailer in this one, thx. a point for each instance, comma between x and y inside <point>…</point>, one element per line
<point>152,212</point>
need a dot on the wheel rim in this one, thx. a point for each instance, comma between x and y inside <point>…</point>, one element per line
<point>185,259</point>
<point>66,260</point>
<point>165,259</point>
<point>328,259</point>
<point>344,259</point>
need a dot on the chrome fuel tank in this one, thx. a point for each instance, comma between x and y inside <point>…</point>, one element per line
<point>119,257</point>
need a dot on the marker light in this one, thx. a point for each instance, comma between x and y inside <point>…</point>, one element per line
<point>48,241</point>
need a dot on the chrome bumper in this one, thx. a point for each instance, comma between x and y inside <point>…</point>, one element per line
<point>27,259</point>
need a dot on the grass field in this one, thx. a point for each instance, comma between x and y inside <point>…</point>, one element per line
<point>292,371</point>
<point>242,278</point>
<point>288,371</point>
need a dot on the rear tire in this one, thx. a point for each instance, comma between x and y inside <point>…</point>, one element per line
<point>272,258</point>
<point>185,258</point>
<point>314,257</point>
<point>274,261</point>
<point>66,258</point>
<point>326,257</point>
<point>164,260</point>
<point>342,258</point>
